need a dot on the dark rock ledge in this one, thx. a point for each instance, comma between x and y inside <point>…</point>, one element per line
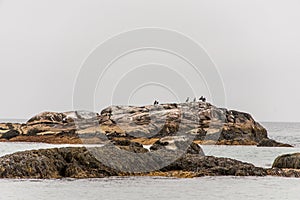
<point>79,162</point>
<point>272,143</point>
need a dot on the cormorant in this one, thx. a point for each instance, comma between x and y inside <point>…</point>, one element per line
<point>201,98</point>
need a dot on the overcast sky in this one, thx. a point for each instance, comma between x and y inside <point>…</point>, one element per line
<point>255,45</point>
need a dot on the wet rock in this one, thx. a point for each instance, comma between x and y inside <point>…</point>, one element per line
<point>94,162</point>
<point>291,161</point>
<point>53,163</point>
<point>272,143</point>
<point>79,162</point>
<point>213,166</point>
<point>284,172</point>
<point>71,162</point>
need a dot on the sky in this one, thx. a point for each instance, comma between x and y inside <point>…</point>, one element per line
<point>253,44</point>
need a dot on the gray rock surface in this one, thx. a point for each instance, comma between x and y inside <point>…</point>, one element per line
<point>200,120</point>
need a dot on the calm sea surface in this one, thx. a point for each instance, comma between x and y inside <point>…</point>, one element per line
<point>234,188</point>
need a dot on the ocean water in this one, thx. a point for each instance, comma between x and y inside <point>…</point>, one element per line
<point>284,132</point>
<point>234,188</point>
<point>146,188</point>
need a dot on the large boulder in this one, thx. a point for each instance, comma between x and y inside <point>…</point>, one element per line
<point>291,161</point>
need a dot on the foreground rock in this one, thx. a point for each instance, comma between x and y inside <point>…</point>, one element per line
<point>80,163</point>
<point>202,121</point>
<point>53,163</point>
<point>169,156</point>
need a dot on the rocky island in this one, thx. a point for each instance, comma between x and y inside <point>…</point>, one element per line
<point>204,122</point>
<point>155,140</point>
